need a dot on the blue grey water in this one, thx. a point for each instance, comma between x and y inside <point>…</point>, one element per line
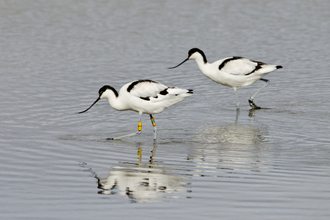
<point>209,162</point>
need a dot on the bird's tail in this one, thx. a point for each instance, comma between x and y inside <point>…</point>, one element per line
<point>177,91</point>
<point>174,95</point>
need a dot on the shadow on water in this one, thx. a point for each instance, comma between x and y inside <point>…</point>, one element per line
<point>143,182</point>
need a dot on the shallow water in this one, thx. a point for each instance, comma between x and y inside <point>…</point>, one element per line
<point>209,160</point>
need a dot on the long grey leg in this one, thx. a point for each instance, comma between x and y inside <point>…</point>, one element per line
<point>133,134</point>
<point>237,102</point>
<point>154,125</point>
<point>251,103</point>
<point>237,114</point>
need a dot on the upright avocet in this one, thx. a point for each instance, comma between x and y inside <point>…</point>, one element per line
<point>143,96</point>
<point>235,72</point>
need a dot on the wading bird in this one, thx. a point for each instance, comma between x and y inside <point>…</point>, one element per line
<point>234,72</point>
<point>143,96</point>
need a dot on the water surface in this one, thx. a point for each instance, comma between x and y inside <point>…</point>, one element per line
<point>209,161</point>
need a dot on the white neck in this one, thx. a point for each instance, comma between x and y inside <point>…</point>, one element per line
<point>204,67</point>
<point>114,101</point>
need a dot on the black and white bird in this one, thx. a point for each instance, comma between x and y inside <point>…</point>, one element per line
<point>234,72</point>
<point>143,96</point>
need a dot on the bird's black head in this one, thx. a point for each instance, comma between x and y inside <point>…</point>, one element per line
<point>194,50</point>
<point>190,53</point>
<point>197,50</point>
<point>105,88</point>
<point>101,91</point>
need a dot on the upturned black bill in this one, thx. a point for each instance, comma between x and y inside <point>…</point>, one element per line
<point>178,65</point>
<point>98,99</point>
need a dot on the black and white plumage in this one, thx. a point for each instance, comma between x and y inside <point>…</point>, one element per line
<point>234,72</point>
<point>143,96</point>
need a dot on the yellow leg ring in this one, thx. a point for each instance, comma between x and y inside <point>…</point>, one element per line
<point>139,126</point>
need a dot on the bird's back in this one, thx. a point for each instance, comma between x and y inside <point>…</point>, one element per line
<point>237,72</point>
<point>151,97</point>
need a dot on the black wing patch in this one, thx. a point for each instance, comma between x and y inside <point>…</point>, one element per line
<point>130,87</point>
<point>228,60</point>
<point>258,67</point>
<point>148,98</point>
<point>145,98</point>
<point>164,92</point>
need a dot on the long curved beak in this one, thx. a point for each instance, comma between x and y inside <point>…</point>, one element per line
<point>98,99</point>
<point>178,64</point>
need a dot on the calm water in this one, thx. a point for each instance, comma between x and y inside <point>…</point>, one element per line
<point>209,161</point>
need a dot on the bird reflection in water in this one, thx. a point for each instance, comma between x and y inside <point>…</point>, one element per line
<point>235,134</point>
<point>143,182</point>
<point>251,113</point>
<point>228,150</point>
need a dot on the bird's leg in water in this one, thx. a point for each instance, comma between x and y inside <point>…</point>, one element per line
<point>129,135</point>
<point>154,125</point>
<point>251,103</point>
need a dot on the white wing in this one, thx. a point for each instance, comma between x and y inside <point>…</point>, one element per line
<point>145,88</point>
<point>156,96</point>
<point>240,65</point>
